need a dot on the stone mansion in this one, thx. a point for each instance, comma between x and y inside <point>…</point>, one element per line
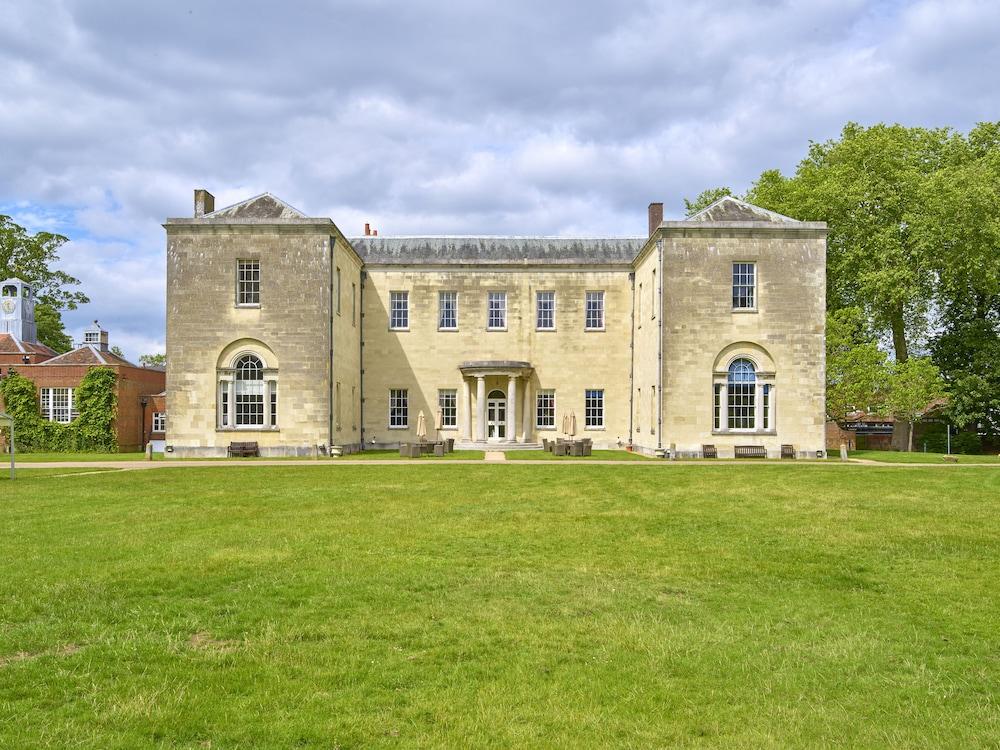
<point>283,331</point>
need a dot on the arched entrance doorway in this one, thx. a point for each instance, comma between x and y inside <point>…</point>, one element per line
<point>496,416</point>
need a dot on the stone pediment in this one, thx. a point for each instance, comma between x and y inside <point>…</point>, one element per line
<point>264,206</point>
<point>728,208</point>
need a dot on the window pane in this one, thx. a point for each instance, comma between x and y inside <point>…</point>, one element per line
<point>249,392</point>
<point>448,402</point>
<point>497,310</point>
<point>717,407</point>
<point>248,282</point>
<point>545,303</point>
<point>741,395</point>
<point>744,285</point>
<point>594,408</point>
<point>448,310</point>
<point>595,310</point>
<point>399,306</point>
<point>398,407</point>
<point>545,409</point>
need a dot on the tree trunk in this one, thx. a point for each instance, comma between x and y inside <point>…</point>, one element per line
<point>909,439</point>
<point>899,439</point>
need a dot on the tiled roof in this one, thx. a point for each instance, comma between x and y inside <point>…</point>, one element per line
<point>88,354</point>
<point>10,344</point>
<point>497,250</point>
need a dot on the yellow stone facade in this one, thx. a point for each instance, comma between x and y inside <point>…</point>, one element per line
<point>642,374</point>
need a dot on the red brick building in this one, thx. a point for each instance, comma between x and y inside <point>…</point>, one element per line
<point>141,410</point>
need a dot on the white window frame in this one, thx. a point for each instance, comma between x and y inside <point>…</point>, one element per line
<point>399,409</point>
<point>159,422</point>
<point>247,391</point>
<point>756,401</point>
<point>63,413</point>
<point>551,311</point>
<point>445,298</point>
<point>448,404</point>
<point>744,287</point>
<point>594,310</point>
<point>399,310</point>
<point>248,282</point>
<point>545,409</point>
<point>496,303</point>
<point>593,409</point>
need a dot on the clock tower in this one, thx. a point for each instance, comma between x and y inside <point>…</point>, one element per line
<point>17,310</point>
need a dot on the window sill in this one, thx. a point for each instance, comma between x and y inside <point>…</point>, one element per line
<point>546,429</point>
<point>447,330</point>
<point>496,330</point>
<point>545,330</point>
<point>247,306</point>
<point>745,433</point>
<point>399,330</point>
<point>248,429</point>
<point>594,429</point>
<point>594,330</point>
<point>399,427</point>
<point>745,310</point>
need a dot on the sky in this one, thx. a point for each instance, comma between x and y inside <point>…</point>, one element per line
<point>423,117</point>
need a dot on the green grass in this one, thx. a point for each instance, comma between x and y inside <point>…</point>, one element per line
<point>609,455</point>
<point>899,457</point>
<point>381,455</point>
<point>502,606</point>
<point>30,458</point>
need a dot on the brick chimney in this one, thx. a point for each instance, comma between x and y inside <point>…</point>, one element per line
<point>374,233</point>
<point>655,217</point>
<point>204,203</point>
<point>368,229</point>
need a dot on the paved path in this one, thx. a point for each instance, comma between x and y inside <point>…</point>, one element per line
<point>181,464</point>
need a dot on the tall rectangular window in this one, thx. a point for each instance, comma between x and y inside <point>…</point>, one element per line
<point>742,405</point>
<point>595,311</point>
<point>593,407</point>
<point>354,304</point>
<point>448,404</point>
<point>159,421</point>
<point>766,406</point>
<point>399,311</point>
<point>338,291</point>
<point>545,311</point>
<point>273,406</point>
<point>497,311</point>
<point>224,404</point>
<point>545,410</point>
<point>248,283</point>
<point>717,407</point>
<point>448,311</point>
<point>57,405</point>
<point>399,409</point>
<point>249,403</point>
<point>744,286</point>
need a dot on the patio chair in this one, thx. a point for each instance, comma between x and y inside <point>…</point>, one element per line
<point>709,451</point>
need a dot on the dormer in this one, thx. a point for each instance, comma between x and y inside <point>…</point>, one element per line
<point>17,310</point>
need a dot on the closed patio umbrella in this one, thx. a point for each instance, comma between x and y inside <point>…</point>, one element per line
<point>565,424</point>
<point>437,419</point>
<point>421,426</point>
<point>572,423</point>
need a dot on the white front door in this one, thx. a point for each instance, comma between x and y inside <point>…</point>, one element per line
<point>496,416</point>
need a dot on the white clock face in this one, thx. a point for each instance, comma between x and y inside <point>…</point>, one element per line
<point>8,306</point>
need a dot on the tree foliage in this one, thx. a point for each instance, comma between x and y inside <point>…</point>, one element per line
<point>913,386</point>
<point>153,360</point>
<point>856,368</point>
<point>32,258</point>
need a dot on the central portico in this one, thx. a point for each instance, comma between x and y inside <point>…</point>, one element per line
<point>502,401</point>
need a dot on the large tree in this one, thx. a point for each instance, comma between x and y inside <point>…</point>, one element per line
<point>856,368</point>
<point>867,185</point>
<point>32,258</point>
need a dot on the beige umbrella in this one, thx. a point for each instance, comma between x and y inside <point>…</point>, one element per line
<point>565,424</point>
<point>572,423</point>
<point>438,417</point>
<point>421,426</point>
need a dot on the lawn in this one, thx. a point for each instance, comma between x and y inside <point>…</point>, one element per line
<point>595,455</point>
<point>394,454</point>
<point>439,605</point>
<point>900,457</point>
<point>30,458</point>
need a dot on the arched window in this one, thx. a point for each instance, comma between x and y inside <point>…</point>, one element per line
<point>248,395</point>
<point>741,395</point>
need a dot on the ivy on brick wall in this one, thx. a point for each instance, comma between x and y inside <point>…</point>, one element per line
<point>96,401</point>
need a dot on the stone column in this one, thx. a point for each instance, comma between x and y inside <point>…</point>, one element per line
<point>526,414</point>
<point>267,404</point>
<point>758,406</point>
<point>511,407</point>
<point>466,409</point>
<point>481,408</point>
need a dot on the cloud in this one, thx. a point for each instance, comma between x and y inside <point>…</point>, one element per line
<point>441,117</point>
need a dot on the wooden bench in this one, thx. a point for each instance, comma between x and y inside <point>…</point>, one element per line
<point>750,451</point>
<point>709,451</point>
<point>788,451</point>
<point>243,450</point>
